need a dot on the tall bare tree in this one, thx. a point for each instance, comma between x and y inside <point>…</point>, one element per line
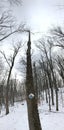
<point>33,116</point>
<point>10,63</point>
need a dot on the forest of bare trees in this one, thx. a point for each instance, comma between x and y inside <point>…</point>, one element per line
<point>42,78</point>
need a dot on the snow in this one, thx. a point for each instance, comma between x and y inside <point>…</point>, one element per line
<point>51,120</point>
<point>17,119</point>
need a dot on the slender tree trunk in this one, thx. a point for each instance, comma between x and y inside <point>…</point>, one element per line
<point>49,100</point>
<point>50,84</point>
<point>7,92</point>
<point>7,105</point>
<point>51,87</point>
<point>56,99</point>
<point>56,91</point>
<point>35,84</point>
<point>46,95</point>
<point>33,116</point>
<point>52,95</point>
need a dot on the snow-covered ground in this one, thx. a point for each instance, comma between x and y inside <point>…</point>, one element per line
<point>17,118</point>
<point>51,120</point>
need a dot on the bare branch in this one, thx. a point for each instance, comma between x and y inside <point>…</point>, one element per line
<point>7,26</point>
<point>5,57</point>
<point>17,2</point>
<point>11,2</point>
<point>8,35</point>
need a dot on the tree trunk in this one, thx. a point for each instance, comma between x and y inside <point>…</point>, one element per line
<point>46,95</point>
<point>7,105</point>
<point>49,100</point>
<point>56,99</point>
<point>33,116</point>
<point>52,95</point>
<point>7,92</point>
<point>51,86</point>
<point>35,82</point>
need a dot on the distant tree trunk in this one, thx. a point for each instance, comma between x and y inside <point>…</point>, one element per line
<point>16,49</point>
<point>51,87</point>
<point>46,88</point>
<point>3,94</point>
<point>48,84</point>
<point>15,92</point>
<point>56,91</point>
<point>12,95</point>
<point>33,116</point>
<point>52,95</point>
<point>46,92</point>
<point>7,91</point>
<point>48,72</point>
<point>7,105</point>
<point>56,99</point>
<point>35,82</point>
<point>49,100</point>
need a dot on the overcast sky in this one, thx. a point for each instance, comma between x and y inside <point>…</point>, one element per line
<point>40,15</point>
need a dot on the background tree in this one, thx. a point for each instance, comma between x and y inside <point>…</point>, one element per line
<point>47,63</point>
<point>10,63</point>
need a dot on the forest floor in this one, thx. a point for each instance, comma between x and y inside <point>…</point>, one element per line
<point>17,119</point>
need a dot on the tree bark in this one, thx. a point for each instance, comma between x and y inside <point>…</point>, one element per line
<point>33,115</point>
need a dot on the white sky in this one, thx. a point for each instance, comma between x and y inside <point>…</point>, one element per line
<point>40,15</point>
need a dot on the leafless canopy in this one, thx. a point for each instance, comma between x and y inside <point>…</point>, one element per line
<point>58,36</point>
<point>17,2</point>
<point>12,2</point>
<point>8,25</point>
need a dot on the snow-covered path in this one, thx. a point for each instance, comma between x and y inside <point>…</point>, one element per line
<point>17,119</point>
